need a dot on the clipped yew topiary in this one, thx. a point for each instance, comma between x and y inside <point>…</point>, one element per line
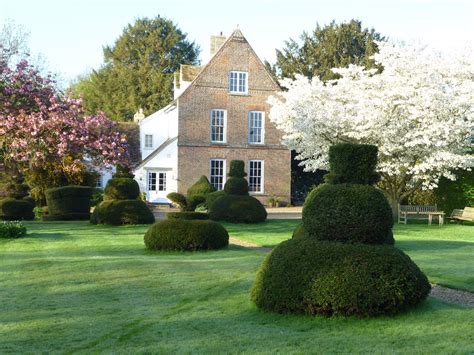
<point>121,204</point>
<point>341,260</point>
<point>304,275</point>
<point>201,187</point>
<point>183,235</point>
<point>119,212</point>
<point>121,189</point>
<point>68,203</point>
<point>12,209</point>
<point>238,209</point>
<point>235,205</point>
<point>348,213</point>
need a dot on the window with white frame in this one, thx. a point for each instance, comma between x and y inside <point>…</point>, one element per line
<point>256,176</point>
<point>218,126</point>
<point>151,181</point>
<point>148,141</point>
<point>161,181</point>
<point>217,174</point>
<point>238,82</point>
<point>156,181</point>
<point>256,127</point>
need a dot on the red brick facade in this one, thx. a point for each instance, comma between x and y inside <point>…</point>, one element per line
<point>210,90</point>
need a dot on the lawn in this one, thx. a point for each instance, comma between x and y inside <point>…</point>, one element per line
<point>72,287</point>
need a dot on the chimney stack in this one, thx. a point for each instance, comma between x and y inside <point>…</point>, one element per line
<point>216,43</point>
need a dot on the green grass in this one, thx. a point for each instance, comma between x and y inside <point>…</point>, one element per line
<point>72,287</point>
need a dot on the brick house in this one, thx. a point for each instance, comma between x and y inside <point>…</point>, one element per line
<point>219,113</point>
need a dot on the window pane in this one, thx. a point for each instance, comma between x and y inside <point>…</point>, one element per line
<point>148,141</point>
<point>255,176</point>
<point>151,181</point>
<point>217,125</point>
<point>217,174</point>
<point>255,127</point>
<point>162,182</point>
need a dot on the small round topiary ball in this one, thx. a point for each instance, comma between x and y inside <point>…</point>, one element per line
<point>304,275</point>
<point>348,213</point>
<point>186,235</point>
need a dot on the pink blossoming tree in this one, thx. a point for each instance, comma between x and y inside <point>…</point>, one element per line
<point>46,135</point>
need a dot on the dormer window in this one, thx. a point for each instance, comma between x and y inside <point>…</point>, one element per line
<point>238,82</point>
<point>148,141</point>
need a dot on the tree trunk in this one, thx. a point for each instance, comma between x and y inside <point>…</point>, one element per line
<point>394,202</point>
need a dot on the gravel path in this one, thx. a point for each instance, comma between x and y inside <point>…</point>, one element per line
<point>449,295</point>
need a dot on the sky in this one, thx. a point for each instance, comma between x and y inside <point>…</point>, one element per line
<point>70,34</point>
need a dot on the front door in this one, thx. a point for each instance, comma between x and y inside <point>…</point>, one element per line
<point>156,182</point>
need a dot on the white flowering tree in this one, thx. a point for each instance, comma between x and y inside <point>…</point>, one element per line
<point>419,112</point>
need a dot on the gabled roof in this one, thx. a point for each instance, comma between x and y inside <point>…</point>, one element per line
<point>168,108</point>
<point>236,35</point>
<point>157,151</point>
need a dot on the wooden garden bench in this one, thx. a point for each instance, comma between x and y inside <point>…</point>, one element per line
<point>406,212</point>
<point>467,214</point>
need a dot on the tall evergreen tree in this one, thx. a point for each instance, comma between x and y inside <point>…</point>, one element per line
<point>331,46</point>
<point>138,69</point>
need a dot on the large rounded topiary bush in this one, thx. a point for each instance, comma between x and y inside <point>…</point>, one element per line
<point>190,235</point>
<point>68,203</point>
<point>304,275</point>
<point>341,260</point>
<point>118,212</point>
<point>121,204</point>
<point>238,209</point>
<point>12,209</point>
<point>347,212</point>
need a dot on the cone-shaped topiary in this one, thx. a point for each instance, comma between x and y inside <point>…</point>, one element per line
<point>201,187</point>
<point>341,259</point>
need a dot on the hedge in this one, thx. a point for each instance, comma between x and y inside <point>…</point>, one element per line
<point>118,212</point>
<point>238,209</point>
<point>68,203</point>
<point>14,210</point>
<point>304,275</point>
<point>348,213</point>
<point>184,235</point>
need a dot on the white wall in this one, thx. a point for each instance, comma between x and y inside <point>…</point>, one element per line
<point>166,160</point>
<point>162,125</point>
